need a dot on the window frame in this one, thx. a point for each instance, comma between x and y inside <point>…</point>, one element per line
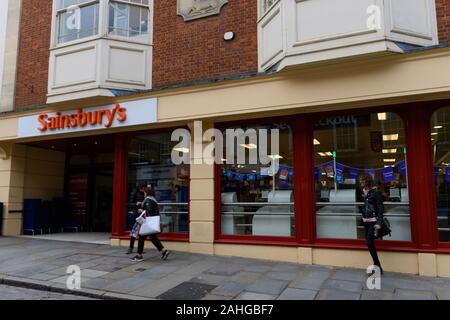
<point>416,121</point>
<point>103,24</point>
<point>218,191</point>
<point>120,197</point>
<point>432,110</point>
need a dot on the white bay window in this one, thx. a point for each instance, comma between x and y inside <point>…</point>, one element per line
<point>99,48</point>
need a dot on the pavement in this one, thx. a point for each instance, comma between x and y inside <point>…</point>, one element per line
<point>107,273</point>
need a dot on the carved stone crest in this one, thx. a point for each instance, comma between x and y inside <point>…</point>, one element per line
<point>196,9</point>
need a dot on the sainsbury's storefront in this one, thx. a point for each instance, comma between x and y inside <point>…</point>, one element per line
<point>306,212</point>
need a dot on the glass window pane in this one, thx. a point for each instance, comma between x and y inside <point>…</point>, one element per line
<point>73,26</point>
<point>128,20</point>
<point>347,147</point>
<point>258,196</point>
<point>150,164</point>
<point>440,138</point>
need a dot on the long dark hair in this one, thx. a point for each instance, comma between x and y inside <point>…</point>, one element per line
<point>149,191</point>
<point>368,179</point>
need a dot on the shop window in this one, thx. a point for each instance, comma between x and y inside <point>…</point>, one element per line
<point>440,138</point>
<point>129,18</point>
<point>72,26</point>
<point>150,164</point>
<point>258,196</point>
<point>377,148</point>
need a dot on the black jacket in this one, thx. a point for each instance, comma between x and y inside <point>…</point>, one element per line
<point>373,205</point>
<point>151,207</point>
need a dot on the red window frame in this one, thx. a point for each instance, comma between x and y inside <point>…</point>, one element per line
<point>122,142</point>
<point>424,232</point>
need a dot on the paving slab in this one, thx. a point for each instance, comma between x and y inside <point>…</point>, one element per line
<point>126,285</point>
<point>255,296</point>
<point>376,295</point>
<point>212,279</point>
<point>267,286</point>
<point>229,289</point>
<point>442,291</point>
<point>297,294</point>
<point>334,294</point>
<point>282,275</point>
<point>245,277</point>
<point>343,285</point>
<point>310,280</point>
<point>349,275</point>
<point>407,294</point>
<point>98,283</point>
<point>225,269</point>
<point>155,288</point>
<point>187,291</point>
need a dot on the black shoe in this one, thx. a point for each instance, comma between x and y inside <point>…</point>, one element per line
<point>130,251</point>
<point>138,259</point>
<point>165,255</point>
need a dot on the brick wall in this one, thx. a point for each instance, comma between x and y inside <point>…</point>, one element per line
<point>34,44</point>
<point>443,16</point>
<point>194,50</point>
<point>183,51</point>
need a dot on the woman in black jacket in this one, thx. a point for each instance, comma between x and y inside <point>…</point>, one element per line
<point>372,214</point>
<point>150,206</point>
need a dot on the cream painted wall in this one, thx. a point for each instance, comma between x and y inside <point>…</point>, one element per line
<point>3,23</point>
<point>44,174</point>
<point>28,173</point>
<point>10,11</point>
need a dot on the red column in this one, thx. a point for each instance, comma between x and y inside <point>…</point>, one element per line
<point>120,186</point>
<point>420,178</point>
<point>304,180</point>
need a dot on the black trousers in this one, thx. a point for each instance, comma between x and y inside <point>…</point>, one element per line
<point>370,238</point>
<point>156,242</point>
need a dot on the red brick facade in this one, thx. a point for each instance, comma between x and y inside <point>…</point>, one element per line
<point>34,44</point>
<point>195,50</point>
<point>443,16</point>
<point>183,51</point>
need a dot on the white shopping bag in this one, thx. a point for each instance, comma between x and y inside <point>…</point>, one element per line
<point>152,225</point>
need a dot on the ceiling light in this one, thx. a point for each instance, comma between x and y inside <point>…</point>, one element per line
<point>389,160</point>
<point>382,116</point>
<point>434,133</point>
<point>316,142</point>
<point>438,127</point>
<point>390,137</point>
<point>249,146</point>
<point>385,151</point>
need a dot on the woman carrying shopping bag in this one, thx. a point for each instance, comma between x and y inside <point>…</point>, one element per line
<point>150,220</point>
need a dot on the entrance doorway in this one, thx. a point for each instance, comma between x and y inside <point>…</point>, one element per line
<point>88,183</point>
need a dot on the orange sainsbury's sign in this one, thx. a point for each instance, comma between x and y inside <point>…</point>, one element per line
<point>82,119</point>
<point>124,114</point>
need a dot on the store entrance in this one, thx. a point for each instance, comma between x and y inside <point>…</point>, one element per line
<point>88,184</point>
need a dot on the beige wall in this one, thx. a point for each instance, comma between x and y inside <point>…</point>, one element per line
<point>362,82</point>
<point>28,173</point>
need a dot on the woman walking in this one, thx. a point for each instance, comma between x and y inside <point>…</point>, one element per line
<point>372,215</point>
<point>150,206</point>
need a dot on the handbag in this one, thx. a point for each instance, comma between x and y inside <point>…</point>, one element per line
<point>151,225</point>
<point>385,228</point>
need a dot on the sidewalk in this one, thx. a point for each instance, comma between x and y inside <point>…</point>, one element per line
<point>109,274</point>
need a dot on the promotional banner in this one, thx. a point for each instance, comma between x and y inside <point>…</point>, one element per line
<point>388,175</point>
<point>339,173</point>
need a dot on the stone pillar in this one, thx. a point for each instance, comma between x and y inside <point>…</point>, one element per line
<point>201,202</point>
<point>12,175</point>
